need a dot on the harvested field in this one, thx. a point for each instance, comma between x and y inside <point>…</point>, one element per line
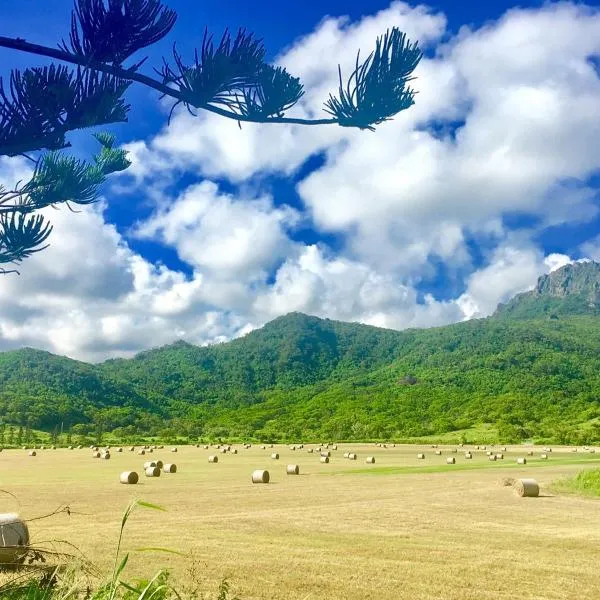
<point>402,528</point>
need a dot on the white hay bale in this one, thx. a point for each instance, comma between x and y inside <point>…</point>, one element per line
<point>70,447</point>
<point>234,451</point>
<point>503,448</point>
<point>434,445</point>
<point>492,457</point>
<point>526,488</point>
<point>500,456</point>
<point>326,453</point>
<point>544,456</point>
<point>132,448</point>
<point>275,456</point>
<point>223,450</point>
<point>334,447</point>
<point>14,539</point>
<point>150,450</point>
<point>370,460</point>
<point>96,455</point>
<point>420,455</point>
<point>260,476</point>
<point>263,447</point>
<point>454,451</point>
<point>205,447</point>
<point>550,449</point>
<point>484,447</point>
<point>105,455</point>
<point>521,461</point>
<point>310,450</point>
<point>169,468</point>
<point>150,464</point>
<point>173,449</point>
<point>292,447</point>
<point>129,477</point>
<point>159,464</point>
<point>450,460</point>
<point>352,456</point>
<point>324,459</point>
<point>468,455</point>
<point>438,452</point>
<point>530,453</point>
<point>141,452</point>
<point>270,445</point>
<point>119,449</point>
<point>293,470</point>
<point>346,454</point>
<point>152,472</point>
<point>489,453</point>
<point>213,459</point>
<point>32,453</point>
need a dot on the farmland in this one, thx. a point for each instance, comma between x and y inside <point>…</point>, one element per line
<point>400,528</point>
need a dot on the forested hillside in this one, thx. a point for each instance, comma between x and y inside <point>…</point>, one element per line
<point>531,371</point>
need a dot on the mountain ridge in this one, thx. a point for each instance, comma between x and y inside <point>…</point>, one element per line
<point>300,375</point>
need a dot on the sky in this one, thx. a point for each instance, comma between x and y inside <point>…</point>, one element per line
<point>489,181</point>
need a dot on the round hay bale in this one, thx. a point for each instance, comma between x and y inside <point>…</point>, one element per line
<point>454,450</point>
<point>370,460</point>
<point>544,456</point>
<point>526,488</point>
<point>129,477</point>
<point>213,459</point>
<point>223,450</point>
<point>169,468</point>
<point>326,453</point>
<point>450,460</point>
<point>468,455</point>
<point>420,455</point>
<point>105,455</point>
<point>434,445</point>
<point>352,456</point>
<point>438,452</point>
<point>521,461</point>
<point>334,447</point>
<point>484,447</point>
<point>14,539</point>
<point>292,447</point>
<point>70,447</point>
<point>270,445</point>
<point>141,452</point>
<point>173,449</point>
<point>150,450</point>
<point>310,450</point>
<point>159,464</point>
<point>507,481</point>
<point>293,470</point>
<point>530,453</point>
<point>152,472</point>
<point>503,448</point>
<point>132,449</point>
<point>275,456</point>
<point>492,457</point>
<point>234,451</point>
<point>32,453</point>
<point>260,476</point>
<point>205,447</point>
<point>96,455</point>
<point>550,449</point>
<point>324,459</point>
<point>346,454</point>
<point>500,456</point>
<point>150,464</point>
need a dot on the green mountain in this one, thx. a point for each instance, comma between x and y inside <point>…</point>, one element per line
<point>532,369</point>
<point>571,290</point>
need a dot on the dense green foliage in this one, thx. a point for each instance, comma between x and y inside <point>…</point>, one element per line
<point>586,483</point>
<point>302,377</point>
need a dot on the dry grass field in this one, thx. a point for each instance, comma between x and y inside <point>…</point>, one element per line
<point>399,529</point>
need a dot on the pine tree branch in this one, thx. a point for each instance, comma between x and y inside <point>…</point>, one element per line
<point>131,75</point>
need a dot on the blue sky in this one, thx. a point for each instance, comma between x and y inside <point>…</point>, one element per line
<point>489,181</point>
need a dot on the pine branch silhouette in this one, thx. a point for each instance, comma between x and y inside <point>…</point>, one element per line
<point>40,106</point>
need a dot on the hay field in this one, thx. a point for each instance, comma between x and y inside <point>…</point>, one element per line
<point>401,528</point>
